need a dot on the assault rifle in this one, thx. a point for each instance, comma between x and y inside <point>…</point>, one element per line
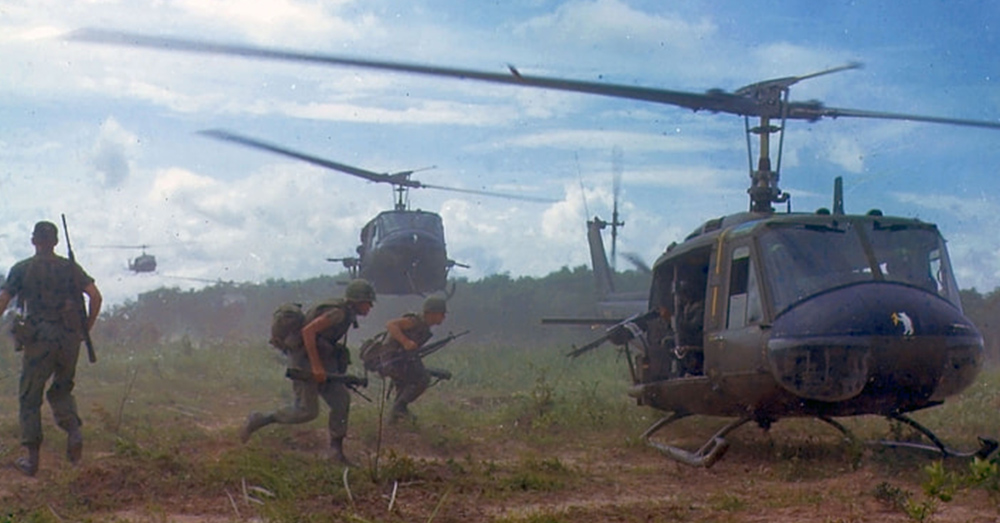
<point>91,355</point>
<point>423,351</point>
<point>349,380</point>
<point>618,333</point>
<point>431,348</point>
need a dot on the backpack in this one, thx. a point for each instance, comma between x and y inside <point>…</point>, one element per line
<point>373,351</point>
<point>286,327</point>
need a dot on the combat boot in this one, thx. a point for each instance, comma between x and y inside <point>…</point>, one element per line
<point>28,465</point>
<point>74,445</point>
<point>337,452</point>
<point>401,413</point>
<point>255,421</point>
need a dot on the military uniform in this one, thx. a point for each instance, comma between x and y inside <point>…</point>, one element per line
<point>409,376</point>
<point>49,290</point>
<point>46,286</point>
<point>335,318</point>
<point>335,358</point>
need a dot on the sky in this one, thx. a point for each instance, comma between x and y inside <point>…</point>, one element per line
<point>109,137</point>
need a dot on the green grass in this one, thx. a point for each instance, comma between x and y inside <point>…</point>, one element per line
<point>161,427</point>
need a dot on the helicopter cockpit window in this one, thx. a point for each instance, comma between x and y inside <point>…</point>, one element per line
<point>803,260</point>
<point>914,254</point>
<point>407,221</point>
<point>744,298</point>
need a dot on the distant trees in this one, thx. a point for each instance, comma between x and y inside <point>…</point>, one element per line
<point>498,309</point>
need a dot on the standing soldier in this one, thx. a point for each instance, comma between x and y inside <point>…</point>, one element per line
<point>407,334</point>
<point>48,289</point>
<point>321,352</point>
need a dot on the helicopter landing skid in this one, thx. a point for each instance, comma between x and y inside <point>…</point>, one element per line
<point>986,445</point>
<point>707,455</point>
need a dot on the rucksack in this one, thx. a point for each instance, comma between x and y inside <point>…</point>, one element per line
<point>373,351</point>
<point>286,327</point>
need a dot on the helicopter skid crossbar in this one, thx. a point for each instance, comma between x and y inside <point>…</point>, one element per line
<point>986,445</point>
<point>707,455</point>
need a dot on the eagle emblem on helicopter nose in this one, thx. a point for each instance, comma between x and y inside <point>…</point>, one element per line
<point>901,318</point>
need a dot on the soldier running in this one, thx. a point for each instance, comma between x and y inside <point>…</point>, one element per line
<point>405,335</point>
<point>48,288</point>
<point>322,351</point>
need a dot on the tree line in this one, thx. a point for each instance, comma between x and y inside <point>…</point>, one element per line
<point>497,309</point>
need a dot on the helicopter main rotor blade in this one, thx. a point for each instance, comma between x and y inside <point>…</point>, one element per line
<point>742,102</point>
<point>401,178</point>
<point>710,101</point>
<point>833,112</point>
<point>785,83</point>
<point>508,196</point>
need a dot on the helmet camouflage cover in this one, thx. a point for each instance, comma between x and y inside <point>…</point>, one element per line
<point>435,304</point>
<point>359,290</point>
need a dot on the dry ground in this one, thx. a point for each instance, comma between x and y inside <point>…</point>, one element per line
<point>489,477</point>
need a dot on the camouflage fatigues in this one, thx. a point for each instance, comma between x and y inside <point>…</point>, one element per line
<point>409,376</point>
<point>335,358</point>
<point>48,287</point>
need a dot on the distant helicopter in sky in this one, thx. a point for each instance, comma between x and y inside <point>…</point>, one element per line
<point>402,250</point>
<point>143,263</point>
<point>763,315</point>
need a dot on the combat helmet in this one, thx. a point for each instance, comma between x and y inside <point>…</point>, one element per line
<point>435,304</point>
<point>359,290</point>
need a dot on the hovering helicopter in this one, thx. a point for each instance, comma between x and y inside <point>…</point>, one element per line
<point>141,263</point>
<point>763,315</point>
<point>402,251</point>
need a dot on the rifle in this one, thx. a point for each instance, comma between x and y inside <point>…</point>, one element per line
<point>331,377</point>
<point>422,352</point>
<point>618,333</point>
<point>431,348</point>
<point>91,355</point>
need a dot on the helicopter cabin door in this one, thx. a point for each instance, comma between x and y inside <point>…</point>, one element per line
<point>735,317</point>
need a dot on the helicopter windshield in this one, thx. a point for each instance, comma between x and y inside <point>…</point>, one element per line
<point>802,260</point>
<point>408,221</point>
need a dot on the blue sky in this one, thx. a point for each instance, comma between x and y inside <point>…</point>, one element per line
<point>108,135</point>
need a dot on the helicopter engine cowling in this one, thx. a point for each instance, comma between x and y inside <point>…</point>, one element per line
<point>874,347</point>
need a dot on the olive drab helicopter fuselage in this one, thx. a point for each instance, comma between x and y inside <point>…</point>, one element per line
<point>402,251</point>
<point>143,263</point>
<point>763,315</point>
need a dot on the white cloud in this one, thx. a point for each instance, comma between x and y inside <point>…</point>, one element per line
<point>614,24</point>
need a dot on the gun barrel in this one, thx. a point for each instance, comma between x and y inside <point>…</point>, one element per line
<point>347,379</point>
<point>614,332</point>
<point>91,353</point>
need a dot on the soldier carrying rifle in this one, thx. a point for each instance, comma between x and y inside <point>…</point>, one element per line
<point>318,358</point>
<point>397,354</point>
<point>49,291</point>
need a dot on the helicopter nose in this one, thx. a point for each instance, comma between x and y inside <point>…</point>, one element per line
<point>880,343</point>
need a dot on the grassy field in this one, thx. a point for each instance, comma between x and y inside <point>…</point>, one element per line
<point>518,435</point>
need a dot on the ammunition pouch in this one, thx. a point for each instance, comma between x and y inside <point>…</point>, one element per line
<point>24,332</point>
<point>336,357</point>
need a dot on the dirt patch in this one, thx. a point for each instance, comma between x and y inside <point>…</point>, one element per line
<point>512,481</point>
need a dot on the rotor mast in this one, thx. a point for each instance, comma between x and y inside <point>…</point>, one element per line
<point>764,189</point>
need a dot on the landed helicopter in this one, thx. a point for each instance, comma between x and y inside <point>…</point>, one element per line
<point>402,251</point>
<point>763,315</point>
<point>142,263</point>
